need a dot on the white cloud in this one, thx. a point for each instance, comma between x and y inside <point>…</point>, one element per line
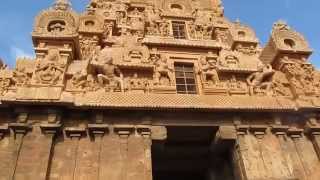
<point>18,52</point>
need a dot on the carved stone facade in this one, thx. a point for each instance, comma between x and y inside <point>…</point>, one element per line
<point>166,89</point>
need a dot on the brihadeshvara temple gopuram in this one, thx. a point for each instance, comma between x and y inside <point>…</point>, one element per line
<point>159,90</point>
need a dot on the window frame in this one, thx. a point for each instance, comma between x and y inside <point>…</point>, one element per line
<point>179,29</point>
<point>185,70</point>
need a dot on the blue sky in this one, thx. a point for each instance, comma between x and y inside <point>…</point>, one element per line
<point>17,16</point>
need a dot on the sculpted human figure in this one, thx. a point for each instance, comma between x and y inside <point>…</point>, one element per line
<point>20,76</point>
<point>50,70</point>
<point>164,28</point>
<point>163,70</point>
<point>260,79</point>
<point>208,69</point>
<point>107,72</point>
<point>79,79</point>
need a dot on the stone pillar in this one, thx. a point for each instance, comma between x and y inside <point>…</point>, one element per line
<point>294,136</point>
<point>64,160</point>
<point>11,145</point>
<point>313,131</point>
<point>111,159</point>
<point>8,153</point>
<point>126,153</point>
<point>248,153</point>
<point>280,131</point>
<point>35,153</point>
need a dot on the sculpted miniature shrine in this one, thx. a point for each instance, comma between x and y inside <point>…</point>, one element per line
<point>159,90</point>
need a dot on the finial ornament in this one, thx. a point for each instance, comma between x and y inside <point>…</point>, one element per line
<point>62,5</point>
<point>281,25</point>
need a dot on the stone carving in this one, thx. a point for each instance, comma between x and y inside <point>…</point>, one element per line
<point>6,81</point>
<point>136,20</point>
<point>21,77</point>
<point>108,74</point>
<point>163,72</point>
<point>59,20</point>
<point>62,5</point>
<point>281,85</point>
<point>50,70</point>
<point>251,50</point>
<point>302,77</point>
<point>83,81</point>
<point>107,30</point>
<point>260,82</point>
<point>229,59</point>
<point>164,28</point>
<point>237,87</point>
<point>220,35</point>
<point>88,46</point>
<point>136,83</point>
<point>203,31</point>
<point>209,71</point>
<point>62,115</point>
<point>136,54</point>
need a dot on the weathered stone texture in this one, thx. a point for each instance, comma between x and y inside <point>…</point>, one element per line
<point>9,153</point>
<point>164,89</point>
<point>34,156</point>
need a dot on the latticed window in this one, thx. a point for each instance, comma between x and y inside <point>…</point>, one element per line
<point>185,79</point>
<point>179,29</point>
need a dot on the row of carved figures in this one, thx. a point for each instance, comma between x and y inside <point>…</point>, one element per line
<point>298,78</point>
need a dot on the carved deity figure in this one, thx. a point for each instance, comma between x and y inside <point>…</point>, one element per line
<point>234,84</point>
<point>108,74</point>
<point>107,30</point>
<point>163,72</point>
<point>220,35</point>
<point>87,47</point>
<point>136,82</point>
<point>261,80</point>
<point>79,79</point>
<point>164,28</point>
<point>21,77</point>
<point>49,70</point>
<point>208,71</point>
<point>192,32</point>
<point>4,84</point>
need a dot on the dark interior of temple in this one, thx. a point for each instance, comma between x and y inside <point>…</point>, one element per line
<point>190,154</point>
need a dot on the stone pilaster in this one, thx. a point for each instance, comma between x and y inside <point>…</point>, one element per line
<point>35,155</point>
<point>64,161</point>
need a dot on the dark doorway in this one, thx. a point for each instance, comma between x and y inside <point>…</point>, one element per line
<point>188,154</point>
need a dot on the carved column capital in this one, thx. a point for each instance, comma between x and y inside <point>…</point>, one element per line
<point>295,132</point>
<point>98,129</point>
<point>75,132</point>
<point>258,130</point>
<point>144,131</point>
<point>279,130</point>
<point>312,129</point>
<point>4,129</point>
<point>50,129</point>
<point>20,128</point>
<point>242,129</point>
<point>124,131</point>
